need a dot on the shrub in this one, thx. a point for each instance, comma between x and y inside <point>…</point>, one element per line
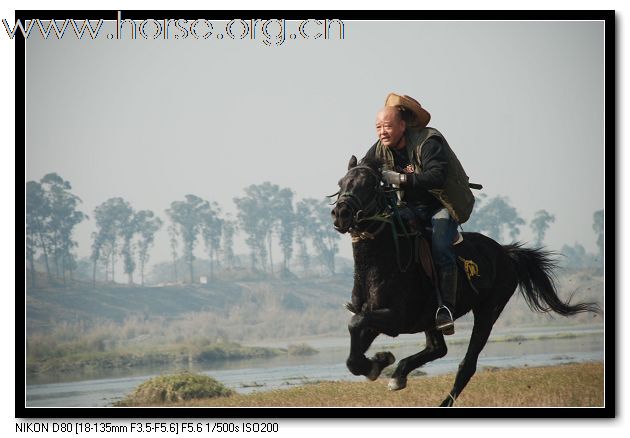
<point>301,350</point>
<point>175,388</point>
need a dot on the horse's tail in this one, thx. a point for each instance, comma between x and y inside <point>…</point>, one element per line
<point>536,280</point>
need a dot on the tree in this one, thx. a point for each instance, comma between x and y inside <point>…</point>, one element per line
<point>211,230</point>
<point>314,219</point>
<point>495,217</point>
<point>142,224</point>
<point>188,216</point>
<point>265,210</point>
<point>252,218</point>
<point>146,224</point>
<point>227,245</point>
<point>113,219</point>
<point>303,223</point>
<point>37,218</point>
<point>173,234</point>
<point>575,256</point>
<point>256,220</point>
<point>63,218</point>
<point>127,231</point>
<point>30,256</point>
<point>285,225</point>
<point>51,215</point>
<point>599,228</point>
<point>325,237</point>
<point>98,240</point>
<point>84,269</point>
<point>540,224</point>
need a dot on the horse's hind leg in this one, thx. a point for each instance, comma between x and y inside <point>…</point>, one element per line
<point>484,320</point>
<point>435,348</point>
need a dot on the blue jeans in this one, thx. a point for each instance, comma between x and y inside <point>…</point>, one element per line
<point>444,232</point>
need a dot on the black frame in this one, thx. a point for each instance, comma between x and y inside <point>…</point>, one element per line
<point>608,411</point>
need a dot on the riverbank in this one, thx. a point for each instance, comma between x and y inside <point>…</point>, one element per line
<point>570,385</point>
<point>74,361</point>
<point>169,355</point>
<point>288,371</point>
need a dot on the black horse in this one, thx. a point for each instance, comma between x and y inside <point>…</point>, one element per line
<point>392,296</point>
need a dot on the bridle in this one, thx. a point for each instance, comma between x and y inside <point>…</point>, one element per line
<point>362,212</point>
<point>375,214</point>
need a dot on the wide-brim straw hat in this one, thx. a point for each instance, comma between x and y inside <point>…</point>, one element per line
<point>417,116</point>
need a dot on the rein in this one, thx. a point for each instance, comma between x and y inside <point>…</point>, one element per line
<point>395,236</point>
<point>356,205</point>
<point>375,208</point>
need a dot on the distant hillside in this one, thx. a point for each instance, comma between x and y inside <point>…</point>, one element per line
<point>117,303</point>
<point>243,302</point>
<point>242,310</point>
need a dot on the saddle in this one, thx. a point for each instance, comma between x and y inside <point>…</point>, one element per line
<point>425,257</point>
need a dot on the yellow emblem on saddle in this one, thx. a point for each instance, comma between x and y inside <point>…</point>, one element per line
<point>471,268</point>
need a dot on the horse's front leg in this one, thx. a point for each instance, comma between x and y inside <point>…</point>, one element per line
<point>362,334</point>
<point>435,349</point>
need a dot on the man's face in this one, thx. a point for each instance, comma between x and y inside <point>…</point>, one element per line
<point>389,127</point>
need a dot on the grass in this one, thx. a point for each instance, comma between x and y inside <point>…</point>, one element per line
<point>185,353</point>
<point>569,385</point>
<point>175,388</point>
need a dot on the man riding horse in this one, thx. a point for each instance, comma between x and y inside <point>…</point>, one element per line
<point>392,300</point>
<point>433,186</point>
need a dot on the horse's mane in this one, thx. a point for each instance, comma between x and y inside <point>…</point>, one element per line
<point>373,163</point>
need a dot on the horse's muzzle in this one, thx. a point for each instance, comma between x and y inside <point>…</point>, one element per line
<point>342,218</point>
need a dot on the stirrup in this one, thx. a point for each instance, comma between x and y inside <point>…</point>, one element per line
<point>443,307</point>
<point>449,327</point>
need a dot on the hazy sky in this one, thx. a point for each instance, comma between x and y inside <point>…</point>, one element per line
<point>521,103</point>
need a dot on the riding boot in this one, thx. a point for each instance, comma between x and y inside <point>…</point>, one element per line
<point>448,286</point>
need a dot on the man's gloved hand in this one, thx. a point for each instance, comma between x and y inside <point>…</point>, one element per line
<point>391,177</point>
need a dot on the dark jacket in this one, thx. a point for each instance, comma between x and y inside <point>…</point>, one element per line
<point>432,176</point>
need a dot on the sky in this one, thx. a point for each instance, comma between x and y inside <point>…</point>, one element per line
<point>359,111</point>
<point>521,103</point>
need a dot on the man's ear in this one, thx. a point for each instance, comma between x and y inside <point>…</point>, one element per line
<point>352,163</point>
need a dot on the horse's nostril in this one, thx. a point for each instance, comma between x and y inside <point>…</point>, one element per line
<point>345,213</point>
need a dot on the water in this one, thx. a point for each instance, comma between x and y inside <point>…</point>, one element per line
<point>585,344</point>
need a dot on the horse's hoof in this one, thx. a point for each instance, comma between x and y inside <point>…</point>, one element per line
<point>397,383</point>
<point>385,358</point>
<point>447,403</point>
<point>374,372</point>
<point>380,361</point>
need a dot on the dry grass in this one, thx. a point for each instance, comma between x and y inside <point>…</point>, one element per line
<point>558,386</point>
<point>173,388</point>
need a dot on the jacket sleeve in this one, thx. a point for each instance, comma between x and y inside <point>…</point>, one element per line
<point>434,167</point>
<point>371,153</point>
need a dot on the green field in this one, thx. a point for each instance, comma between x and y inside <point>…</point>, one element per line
<point>571,385</point>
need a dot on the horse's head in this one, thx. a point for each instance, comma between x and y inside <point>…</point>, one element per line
<point>358,196</point>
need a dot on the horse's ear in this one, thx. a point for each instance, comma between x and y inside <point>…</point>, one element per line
<point>352,163</point>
